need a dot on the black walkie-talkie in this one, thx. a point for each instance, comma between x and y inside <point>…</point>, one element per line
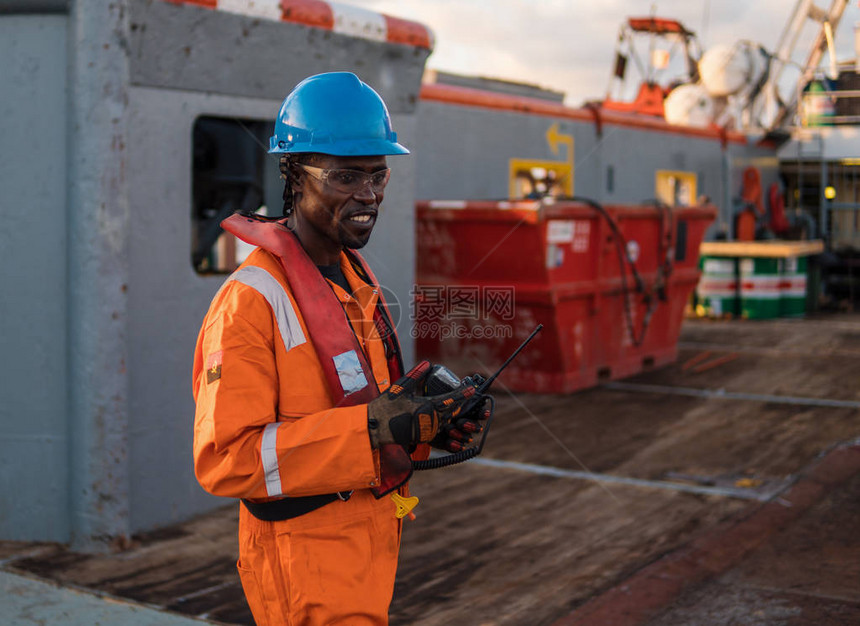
<point>442,380</point>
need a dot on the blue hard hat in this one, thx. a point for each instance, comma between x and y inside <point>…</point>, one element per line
<point>334,113</point>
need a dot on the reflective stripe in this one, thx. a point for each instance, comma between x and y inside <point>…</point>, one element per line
<point>288,322</point>
<point>269,457</point>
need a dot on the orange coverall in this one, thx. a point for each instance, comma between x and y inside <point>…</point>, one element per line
<point>265,427</point>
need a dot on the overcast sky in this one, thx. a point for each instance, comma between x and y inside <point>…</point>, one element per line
<point>568,45</point>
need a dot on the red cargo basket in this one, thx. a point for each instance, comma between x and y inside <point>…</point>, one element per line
<point>489,272</point>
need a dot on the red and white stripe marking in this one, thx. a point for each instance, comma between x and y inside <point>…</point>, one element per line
<point>767,287</point>
<point>717,287</point>
<point>794,285</point>
<point>338,18</point>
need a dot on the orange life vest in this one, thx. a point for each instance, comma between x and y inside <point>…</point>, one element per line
<point>337,347</point>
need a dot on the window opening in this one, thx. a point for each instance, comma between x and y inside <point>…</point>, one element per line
<point>232,171</point>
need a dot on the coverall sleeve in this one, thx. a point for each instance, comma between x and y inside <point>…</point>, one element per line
<point>241,449</point>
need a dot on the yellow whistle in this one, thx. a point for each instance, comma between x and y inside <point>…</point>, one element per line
<point>404,506</point>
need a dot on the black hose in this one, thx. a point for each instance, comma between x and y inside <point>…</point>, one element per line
<point>624,256</point>
<point>445,461</point>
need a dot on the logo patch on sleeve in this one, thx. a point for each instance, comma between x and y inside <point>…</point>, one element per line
<point>213,366</point>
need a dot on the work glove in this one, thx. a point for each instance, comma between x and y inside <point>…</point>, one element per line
<point>457,432</point>
<point>401,416</point>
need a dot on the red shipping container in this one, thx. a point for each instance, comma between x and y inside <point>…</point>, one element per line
<point>609,284</point>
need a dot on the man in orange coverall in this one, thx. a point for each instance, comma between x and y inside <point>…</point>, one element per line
<point>296,412</point>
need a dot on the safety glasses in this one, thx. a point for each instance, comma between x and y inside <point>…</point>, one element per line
<point>349,181</point>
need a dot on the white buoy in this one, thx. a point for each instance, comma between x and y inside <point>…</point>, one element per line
<point>725,69</point>
<point>689,105</point>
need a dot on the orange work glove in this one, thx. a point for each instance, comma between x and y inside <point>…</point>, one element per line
<point>402,416</point>
<point>456,433</point>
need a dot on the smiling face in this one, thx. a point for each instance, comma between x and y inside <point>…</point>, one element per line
<point>327,220</point>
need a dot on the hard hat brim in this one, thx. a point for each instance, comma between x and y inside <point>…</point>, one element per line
<point>362,147</point>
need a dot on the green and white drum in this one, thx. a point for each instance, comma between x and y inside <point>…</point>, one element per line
<point>717,292</point>
<point>793,286</point>
<point>760,288</point>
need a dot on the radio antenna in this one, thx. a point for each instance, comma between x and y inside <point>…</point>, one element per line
<point>492,378</point>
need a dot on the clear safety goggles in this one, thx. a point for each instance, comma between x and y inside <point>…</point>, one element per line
<point>349,181</point>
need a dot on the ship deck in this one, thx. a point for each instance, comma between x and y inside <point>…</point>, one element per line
<point>712,491</point>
